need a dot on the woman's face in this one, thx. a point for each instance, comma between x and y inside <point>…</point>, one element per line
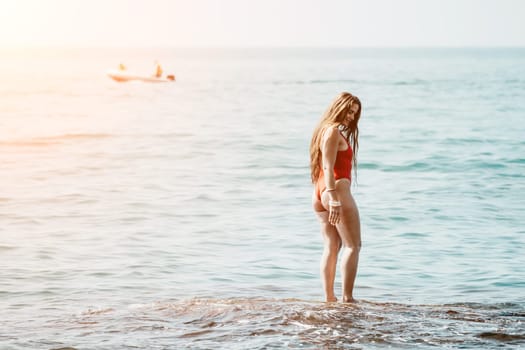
<point>350,115</point>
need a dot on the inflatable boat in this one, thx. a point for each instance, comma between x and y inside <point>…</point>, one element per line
<point>123,76</point>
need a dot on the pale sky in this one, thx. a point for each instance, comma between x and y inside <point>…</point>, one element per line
<point>247,23</point>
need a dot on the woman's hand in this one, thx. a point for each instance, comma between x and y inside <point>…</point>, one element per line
<point>335,212</point>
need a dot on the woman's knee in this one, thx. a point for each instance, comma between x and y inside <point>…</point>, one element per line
<point>352,247</point>
<point>350,253</point>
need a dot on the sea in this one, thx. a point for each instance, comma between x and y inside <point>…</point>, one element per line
<point>178,215</point>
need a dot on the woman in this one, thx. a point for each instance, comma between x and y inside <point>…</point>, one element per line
<point>332,154</point>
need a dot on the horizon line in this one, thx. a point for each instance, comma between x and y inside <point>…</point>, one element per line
<point>62,47</point>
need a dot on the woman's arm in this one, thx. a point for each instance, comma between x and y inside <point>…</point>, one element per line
<point>329,148</point>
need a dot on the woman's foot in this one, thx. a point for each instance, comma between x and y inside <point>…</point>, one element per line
<point>348,300</point>
<point>331,299</point>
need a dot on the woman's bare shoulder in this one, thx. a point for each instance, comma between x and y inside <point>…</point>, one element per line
<point>331,132</point>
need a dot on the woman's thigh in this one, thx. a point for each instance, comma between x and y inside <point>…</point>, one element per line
<point>331,238</point>
<point>349,227</point>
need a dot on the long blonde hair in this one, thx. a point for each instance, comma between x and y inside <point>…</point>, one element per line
<point>335,115</point>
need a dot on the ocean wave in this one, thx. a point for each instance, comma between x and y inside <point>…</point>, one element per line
<point>314,81</point>
<point>237,323</point>
<point>413,166</point>
<point>51,140</point>
<point>410,82</point>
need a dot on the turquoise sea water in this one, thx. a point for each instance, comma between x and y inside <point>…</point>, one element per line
<point>167,216</point>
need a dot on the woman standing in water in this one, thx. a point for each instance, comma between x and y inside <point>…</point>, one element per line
<point>332,154</point>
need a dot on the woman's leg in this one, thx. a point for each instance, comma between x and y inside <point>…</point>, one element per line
<point>349,229</point>
<point>332,244</point>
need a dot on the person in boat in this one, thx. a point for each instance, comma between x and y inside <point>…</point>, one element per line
<point>121,67</point>
<point>158,70</point>
<point>333,150</point>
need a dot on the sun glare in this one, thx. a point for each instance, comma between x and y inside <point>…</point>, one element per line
<point>23,23</point>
